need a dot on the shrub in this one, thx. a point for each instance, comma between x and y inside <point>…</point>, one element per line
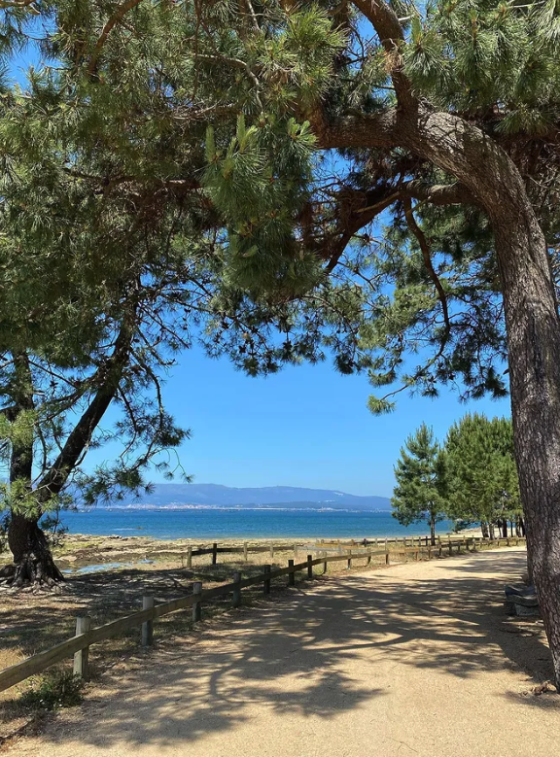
<point>54,691</point>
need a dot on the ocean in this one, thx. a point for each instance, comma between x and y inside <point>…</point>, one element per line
<point>234,523</point>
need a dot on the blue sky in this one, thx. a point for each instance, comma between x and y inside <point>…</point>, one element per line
<point>306,426</point>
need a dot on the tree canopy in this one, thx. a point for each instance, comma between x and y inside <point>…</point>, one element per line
<point>286,129</point>
<point>482,474</point>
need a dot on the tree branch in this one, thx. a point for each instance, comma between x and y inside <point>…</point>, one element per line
<point>391,35</point>
<point>115,19</point>
<point>21,4</point>
<point>424,247</point>
<point>109,377</point>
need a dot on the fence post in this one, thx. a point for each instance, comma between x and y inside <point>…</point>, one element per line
<point>81,658</point>
<point>450,545</point>
<point>148,625</point>
<point>214,553</point>
<point>349,559</point>
<point>197,606</point>
<point>236,599</point>
<point>325,564</point>
<point>291,574</point>
<point>309,566</point>
<point>189,557</point>
<point>245,550</point>
<point>266,588</point>
<point>368,561</point>
<point>387,559</point>
<point>272,550</point>
<point>429,551</point>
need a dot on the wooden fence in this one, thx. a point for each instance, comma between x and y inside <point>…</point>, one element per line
<point>326,545</point>
<point>415,541</point>
<point>79,645</point>
<point>215,550</point>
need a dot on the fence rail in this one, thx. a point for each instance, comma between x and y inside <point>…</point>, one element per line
<point>79,644</point>
<point>216,550</point>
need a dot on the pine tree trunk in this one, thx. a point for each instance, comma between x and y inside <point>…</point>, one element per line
<point>484,530</point>
<point>33,561</point>
<point>32,558</point>
<point>533,330</point>
<point>433,530</point>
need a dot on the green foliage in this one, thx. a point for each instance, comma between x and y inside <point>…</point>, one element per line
<point>154,180</point>
<point>54,691</point>
<point>169,167</point>
<point>258,183</point>
<point>478,54</point>
<point>421,475</point>
<point>471,479</point>
<point>483,479</point>
<point>469,355</point>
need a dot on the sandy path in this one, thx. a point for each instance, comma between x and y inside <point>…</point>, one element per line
<point>414,660</point>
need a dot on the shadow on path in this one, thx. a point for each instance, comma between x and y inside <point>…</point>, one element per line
<point>320,651</point>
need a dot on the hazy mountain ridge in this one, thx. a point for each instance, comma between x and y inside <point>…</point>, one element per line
<point>165,495</point>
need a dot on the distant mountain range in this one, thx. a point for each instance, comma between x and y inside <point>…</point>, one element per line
<point>214,495</point>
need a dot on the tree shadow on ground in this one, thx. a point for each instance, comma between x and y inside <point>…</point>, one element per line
<point>315,652</point>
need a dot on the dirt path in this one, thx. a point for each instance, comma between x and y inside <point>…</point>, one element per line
<point>414,660</point>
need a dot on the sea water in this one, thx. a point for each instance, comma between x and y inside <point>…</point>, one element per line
<point>237,523</point>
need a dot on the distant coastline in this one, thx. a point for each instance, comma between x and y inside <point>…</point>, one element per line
<point>214,495</point>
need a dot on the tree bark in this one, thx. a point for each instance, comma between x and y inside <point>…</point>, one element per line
<point>33,561</point>
<point>433,529</point>
<point>533,330</point>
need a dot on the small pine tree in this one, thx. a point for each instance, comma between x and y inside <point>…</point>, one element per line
<point>421,481</point>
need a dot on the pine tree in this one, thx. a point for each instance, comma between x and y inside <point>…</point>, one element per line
<point>125,259</point>
<point>420,472</point>
<point>483,480</point>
